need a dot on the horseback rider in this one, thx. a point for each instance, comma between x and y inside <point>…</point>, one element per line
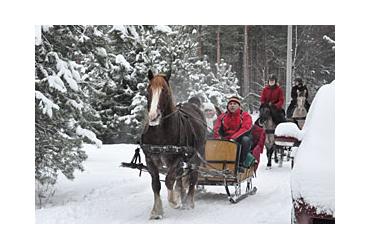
<point>298,87</point>
<point>272,94</point>
<point>235,125</point>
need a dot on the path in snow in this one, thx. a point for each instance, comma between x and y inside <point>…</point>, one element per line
<point>106,193</point>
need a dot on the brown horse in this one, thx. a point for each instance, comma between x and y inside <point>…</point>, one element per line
<point>267,121</point>
<point>169,125</point>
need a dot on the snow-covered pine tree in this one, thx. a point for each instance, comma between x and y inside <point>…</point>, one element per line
<point>225,84</point>
<point>198,79</point>
<point>138,49</point>
<point>122,108</point>
<point>63,116</point>
<point>212,85</point>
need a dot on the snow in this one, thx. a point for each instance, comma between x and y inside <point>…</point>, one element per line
<point>163,28</point>
<point>121,28</point>
<point>109,194</point>
<point>288,129</point>
<point>89,134</point>
<point>67,71</point>
<point>38,39</point>
<point>46,104</point>
<point>76,105</point>
<point>122,61</point>
<point>331,41</point>
<point>57,83</point>
<point>71,82</point>
<point>101,52</point>
<point>313,175</point>
<point>132,30</point>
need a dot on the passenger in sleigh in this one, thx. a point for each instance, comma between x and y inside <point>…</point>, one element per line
<point>235,124</point>
<point>210,114</point>
<point>259,136</point>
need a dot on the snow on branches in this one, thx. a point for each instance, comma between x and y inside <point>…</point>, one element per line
<point>46,104</point>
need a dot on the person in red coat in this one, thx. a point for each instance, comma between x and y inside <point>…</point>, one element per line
<point>259,136</point>
<point>273,95</point>
<point>235,125</point>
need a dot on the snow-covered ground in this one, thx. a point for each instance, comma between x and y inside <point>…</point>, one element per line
<point>107,193</point>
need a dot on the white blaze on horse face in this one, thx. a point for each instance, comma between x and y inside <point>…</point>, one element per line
<point>154,113</point>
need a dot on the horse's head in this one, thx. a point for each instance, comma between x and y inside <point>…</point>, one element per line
<point>160,102</point>
<point>265,112</point>
<point>301,99</point>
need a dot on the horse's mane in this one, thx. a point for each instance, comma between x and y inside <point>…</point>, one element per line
<point>273,111</point>
<point>160,81</point>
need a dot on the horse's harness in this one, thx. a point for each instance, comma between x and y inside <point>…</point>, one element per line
<point>187,151</point>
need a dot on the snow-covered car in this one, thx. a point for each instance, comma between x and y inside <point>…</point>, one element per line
<point>313,175</point>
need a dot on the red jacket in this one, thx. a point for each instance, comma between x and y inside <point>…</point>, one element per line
<point>259,137</point>
<point>233,124</point>
<point>274,95</point>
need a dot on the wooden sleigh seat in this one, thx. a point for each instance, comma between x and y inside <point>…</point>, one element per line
<point>222,157</point>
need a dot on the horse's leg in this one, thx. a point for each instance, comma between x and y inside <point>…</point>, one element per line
<point>157,211</point>
<point>180,189</point>
<point>192,182</point>
<point>280,149</point>
<point>173,196</point>
<point>276,150</point>
<point>269,156</point>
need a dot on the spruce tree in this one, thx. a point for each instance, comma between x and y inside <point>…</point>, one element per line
<point>63,116</point>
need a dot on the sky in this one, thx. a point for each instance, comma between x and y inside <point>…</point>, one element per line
<point>17,124</point>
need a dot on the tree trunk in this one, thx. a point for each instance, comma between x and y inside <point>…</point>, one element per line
<point>218,46</point>
<point>295,51</point>
<point>288,78</point>
<point>246,85</point>
<point>200,42</point>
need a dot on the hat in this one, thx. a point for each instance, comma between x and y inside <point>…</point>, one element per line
<point>273,77</point>
<point>299,80</point>
<point>234,99</point>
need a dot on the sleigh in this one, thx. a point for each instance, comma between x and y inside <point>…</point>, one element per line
<point>222,169</point>
<point>287,137</point>
<point>220,166</point>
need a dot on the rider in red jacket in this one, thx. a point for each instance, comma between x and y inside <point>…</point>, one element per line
<point>235,124</point>
<point>273,95</point>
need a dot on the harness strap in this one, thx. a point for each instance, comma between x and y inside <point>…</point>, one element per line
<point>166,149</point>
<point>137,157</point>
<point>270,131</point>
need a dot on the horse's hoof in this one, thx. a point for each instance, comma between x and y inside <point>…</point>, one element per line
<point>156,217</point>
<point>188,206</point>
<point>174,205</point>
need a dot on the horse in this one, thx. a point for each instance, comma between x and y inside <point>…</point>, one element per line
<point>170,125</point>
<point>266,120</point>
<point>300,112</point>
